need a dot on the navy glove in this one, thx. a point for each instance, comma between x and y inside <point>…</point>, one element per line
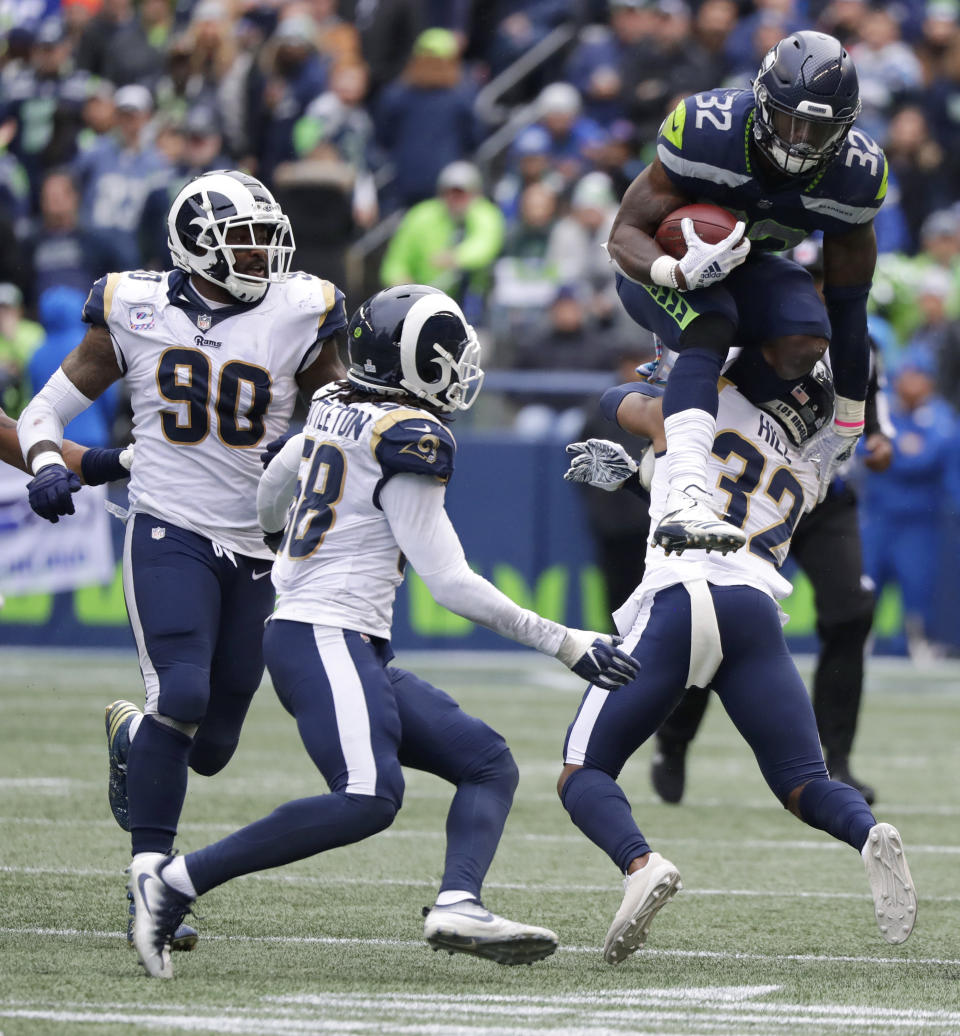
<point>596,658</point>
<point>100,465</point>
<point>51,492</point>
<point>272,449</point>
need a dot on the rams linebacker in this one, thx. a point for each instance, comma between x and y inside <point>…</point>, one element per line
<point>360,493</point>
<point>786,159</point>
<point>213,354</point>
<point>706,620</point>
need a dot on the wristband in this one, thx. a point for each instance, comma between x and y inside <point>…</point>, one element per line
<point>849,415</point>
<point>663,271</point>
<point>45,459</point>
<point>102,465</point>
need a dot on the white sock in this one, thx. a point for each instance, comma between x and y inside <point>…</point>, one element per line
<point>135,725</point>
<point>453,896</point>
<point>690,435</point>
<point>175,875</point>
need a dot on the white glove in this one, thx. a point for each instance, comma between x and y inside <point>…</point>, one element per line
<point>600,463</point>
<point>706,264</point>
<point>830,449</point>
<point>596,658</point>
<point>126,456</point>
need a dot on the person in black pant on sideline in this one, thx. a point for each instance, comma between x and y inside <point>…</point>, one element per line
<point>826,546</point>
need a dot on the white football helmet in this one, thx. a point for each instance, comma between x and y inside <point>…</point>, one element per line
<point>207,209</point>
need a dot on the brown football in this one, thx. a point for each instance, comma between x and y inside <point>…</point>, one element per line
<point>711,223</point>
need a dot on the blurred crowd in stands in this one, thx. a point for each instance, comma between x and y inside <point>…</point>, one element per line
<point>363,117</point>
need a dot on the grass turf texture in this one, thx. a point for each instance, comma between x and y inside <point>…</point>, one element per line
<point>773,932</point>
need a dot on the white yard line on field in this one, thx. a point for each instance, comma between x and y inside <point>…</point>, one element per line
<point>721,1009</point>
<point>509,886</point>
<point>322,940</point>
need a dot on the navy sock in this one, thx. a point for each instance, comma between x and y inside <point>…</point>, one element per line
<point>600,809</point>
<point>156,785</point>
<point>838,809</point>
<point>692,384</point>
<point>291,832</point>
<point>475,823</point>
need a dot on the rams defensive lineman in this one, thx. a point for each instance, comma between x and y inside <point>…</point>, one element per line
<point>361,492</point>
<point>703,620</point>
<point>787,161</point>
<point>213,354</point>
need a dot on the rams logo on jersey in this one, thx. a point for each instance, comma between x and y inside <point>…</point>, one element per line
<point>425,448</point>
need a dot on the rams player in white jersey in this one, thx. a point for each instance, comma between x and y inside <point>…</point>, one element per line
<point>705,620</point>
<point>213,354</point>
<point>361,492</point>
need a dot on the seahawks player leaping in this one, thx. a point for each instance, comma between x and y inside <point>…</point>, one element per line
<point>361,492</point>
<point>213,354</point>
<point>785,159</point>
<point>702,620</point>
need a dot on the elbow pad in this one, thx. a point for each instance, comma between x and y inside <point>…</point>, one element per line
<point>50,410</point>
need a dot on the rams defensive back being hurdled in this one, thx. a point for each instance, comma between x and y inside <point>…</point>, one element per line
<point>712,621</point>
<point>786,160</point>
<point>213,354</point>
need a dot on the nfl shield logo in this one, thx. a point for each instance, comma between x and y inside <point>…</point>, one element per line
<point>204,321</point>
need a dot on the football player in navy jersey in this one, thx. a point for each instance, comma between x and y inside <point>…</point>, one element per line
<point>360,493</point>
<point>702,621</point>
<point>213,354</point>
<point>785,159</point>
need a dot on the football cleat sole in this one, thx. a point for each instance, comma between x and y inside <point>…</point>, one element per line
<point>894,895</point>
<point>521,949</point>
<point>677,539</point>
<point>643,898</point>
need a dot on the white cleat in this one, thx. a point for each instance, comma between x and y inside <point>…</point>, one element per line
<point>159,912</point>
<point>894,897</point>
<point>689,523</point>
<point>468,927</point>
<point>645,892</point>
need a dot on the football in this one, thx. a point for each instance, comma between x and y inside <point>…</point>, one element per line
<point>710,221</point>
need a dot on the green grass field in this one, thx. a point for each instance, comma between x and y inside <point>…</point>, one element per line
<point>773,932</point>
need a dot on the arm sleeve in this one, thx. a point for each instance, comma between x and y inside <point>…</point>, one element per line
<point>278,485</point>
<point>849,349</point>
<point>50,410</point>
<point>414,507</point>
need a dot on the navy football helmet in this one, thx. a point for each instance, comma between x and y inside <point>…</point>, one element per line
<point>807,97</point>
<point>801,410</point>
<point>212,205</point>
<point>415,339</point>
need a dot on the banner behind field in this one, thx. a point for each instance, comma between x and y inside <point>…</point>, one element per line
<point>522,527</point>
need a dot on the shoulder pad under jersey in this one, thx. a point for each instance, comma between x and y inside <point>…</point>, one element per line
<point>414,441</point>
<point>134,286</point>
<point>307,293</point>
<point>704,139</point>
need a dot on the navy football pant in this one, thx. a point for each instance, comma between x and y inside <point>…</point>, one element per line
<point>730,638</point>
<point>197,614</point>
<point>765,298</point>
<point>361,720</point>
